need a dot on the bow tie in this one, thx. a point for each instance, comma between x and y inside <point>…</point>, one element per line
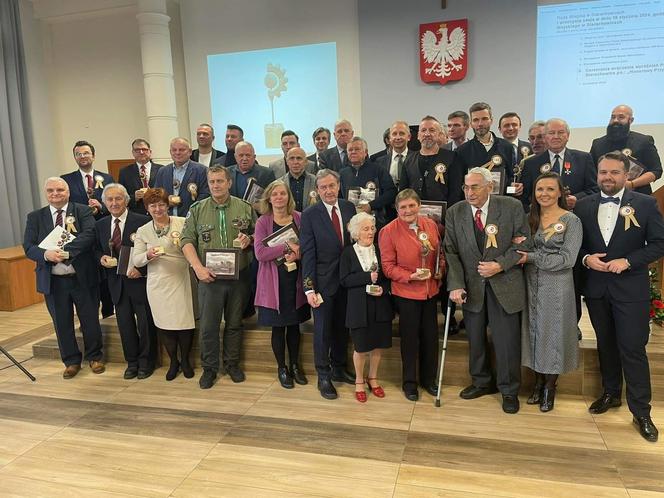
<point>604,200</point>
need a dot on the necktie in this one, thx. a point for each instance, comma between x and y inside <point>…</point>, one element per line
<point>58,218</point>
<point>478,220</point>
<point>116,238</point>
<point>336,224</point>
<point>604,200</point>
<point>344,160</point>
<point>144,178</point>
<point>89,179</point>
<point>222,226</point>
<point>556,164</point>
<point>397,173</point>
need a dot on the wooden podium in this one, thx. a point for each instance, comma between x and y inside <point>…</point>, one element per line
<point>18,287</point>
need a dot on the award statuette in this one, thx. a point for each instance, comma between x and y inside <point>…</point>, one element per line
<point>91,195</point>
<point>111,261</point>
<point>518,170</point>
<point>159,250</point>
<point>423,271</point>
<point>373,289</point>
<point>290,265</point>
<point>240,224</point>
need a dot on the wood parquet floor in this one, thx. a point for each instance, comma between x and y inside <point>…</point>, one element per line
<point>102,436</point>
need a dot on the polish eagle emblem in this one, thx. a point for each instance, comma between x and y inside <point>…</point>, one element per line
<point>443,58</point>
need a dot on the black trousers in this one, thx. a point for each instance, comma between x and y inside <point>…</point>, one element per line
<point>330,334</point>
<point>506,335</point>
<point>622,334</point>
<point>65,294</point>
<point>137,332</point>
<point>418,329</point>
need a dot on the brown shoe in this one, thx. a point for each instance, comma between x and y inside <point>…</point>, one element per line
<point>97,367</point>
<point>71,371</point>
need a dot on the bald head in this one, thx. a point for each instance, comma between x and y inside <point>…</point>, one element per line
<point>622,114</point>
<point>296,158</point>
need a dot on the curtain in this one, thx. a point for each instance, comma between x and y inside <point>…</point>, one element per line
<point>19,188</point>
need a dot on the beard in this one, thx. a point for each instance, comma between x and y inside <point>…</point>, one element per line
<point>617,131</point>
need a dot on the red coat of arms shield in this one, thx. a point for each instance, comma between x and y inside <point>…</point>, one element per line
<point>443,51</point>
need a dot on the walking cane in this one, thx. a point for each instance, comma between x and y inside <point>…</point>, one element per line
<point>442,354</point>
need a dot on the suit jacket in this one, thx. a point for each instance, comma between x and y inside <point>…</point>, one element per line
<point>309,187</point>
<point>642,148</point>
<point>320,247</point>
<point>521,147</point>
<point>641,245</point>
<point>263,175</point>
<point>216,154</point>
<point>355,279</point>
<point>78,193</point>
<point>134,287</point>
<point>581,177</point>
<point>196,173</point>
<point>450,191</point>
<point>385,162</point>
<point>278,166</point>
<point>473,153</point>
<point>130,177</point>
<point>227,159</point>
<point>330,159</point>
<point>377,155</point>
<point>40,223</point>
<point>463,255</point>
<point>313,159</point>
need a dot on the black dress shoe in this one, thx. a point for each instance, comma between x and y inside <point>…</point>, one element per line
<point>341,375</point>
<point>603,403</point>
<point>536,395</point>
<point>647,428</point>
<point>548,398</point>
<point>173,370</point>
<point>285,378</point>
<point>326,389</point>
<point>510,403</point>
<point>144,373</point>
<point>411,393</point>
<point>130,373</point>
<point>472,392</point>
<point>431,389</point>
<point>187,369</point>
<point>208,379</point>
<point>454,327</point>
<point>298,375</point>
<point>235,373</point>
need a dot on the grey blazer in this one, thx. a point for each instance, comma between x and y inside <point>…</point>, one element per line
<point>279,167</point>
<point>463,255</point>
<point>309,186</point>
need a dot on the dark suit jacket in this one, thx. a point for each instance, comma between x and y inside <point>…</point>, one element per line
<point>313,159</point>
<point>640,245</point>
<point>371,172</point>
<point>216,154</point>
<point>355,279</point>
<point>581,177</point>
<point>449,191</point>
<point>196,173</point>
<point>377,155</point>
<point>330,159</point>
<point>81,255</point>
<point>642,147</point>
<point>472,154</point>
<point>227,159</point>
<point>263,175</point>
<point>130,177</point>
<point>385,162</point>
<point>320,247</point>
<point>463,255</point>
<point>78,193</point>
<point>135,287</point>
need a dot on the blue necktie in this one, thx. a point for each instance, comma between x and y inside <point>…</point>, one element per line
<point>604,200</point>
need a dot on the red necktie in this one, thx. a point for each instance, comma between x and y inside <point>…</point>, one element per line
<point>336,224</point>
<point>116,239</point>
<point>58,218</point>
<point>144,178</point>
<point>478,220</point>
<point>90,185</point>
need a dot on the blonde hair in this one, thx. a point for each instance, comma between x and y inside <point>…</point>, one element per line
<point>264,205</point>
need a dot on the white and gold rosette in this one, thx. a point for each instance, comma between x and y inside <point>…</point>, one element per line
<point>628,212</point>
<point>424,240</point>
<point>495,160</point>
<point>525,151</point>
<point>175,238</point>
<point>99,181</point>
<point>627,152</point>
<point>491,232</point>
<point>193,190</point>
<point>440,170</point>
<point>313,197</point>
<point>545,168</point>
<point>69,224</point>
<point>553,229</point>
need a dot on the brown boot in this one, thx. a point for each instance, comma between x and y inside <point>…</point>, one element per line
<point>71,371</point>
<point>97,366</point>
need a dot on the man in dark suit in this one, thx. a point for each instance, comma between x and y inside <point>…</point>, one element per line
<point>321,138</point>
<point>509,125</point>
<point>638,146</point>
<point>398,152</point>
<point>115,237</point>
<point>576,168</point>
<point>206,154</point>
<point>323,236</point>
<point>289,139</point>
<point>623,232</point>
<point>384,152</point>
<point>336,158</point>
<point>234,135</point>
<point>184,180</point>
<point>139,176</point>
<point>486,149</point>
<point>85,187</point>
<point>247,168</point>
<point>481,235</point>
<point>67,276</point>
<point>458,123</point>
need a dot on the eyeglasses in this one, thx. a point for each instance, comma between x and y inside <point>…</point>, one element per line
<point>83,154</point>
<point>473,188</point>
<point>141,149</point>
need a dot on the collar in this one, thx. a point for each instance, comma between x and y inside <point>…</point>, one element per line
<point>184,166</point>
<point>83,174</point>
<point>122,218</point>
<point>329,208</point>
<point>552,155</point>
<point>147,165</point>
<point>340,150</point>
<point>514,142</point>
<point>491,141</point>
<point>55,210</point>
<point>403,154</point>
<point>485,207</point>
<point>619,195</point>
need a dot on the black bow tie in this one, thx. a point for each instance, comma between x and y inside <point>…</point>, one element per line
<point>604,200</point>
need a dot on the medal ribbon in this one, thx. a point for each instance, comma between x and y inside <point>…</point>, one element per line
<point>72,229</point>
<point>440,177</point>
<point>629,219</point>
<point>99,182</point>
<point>491,240</point>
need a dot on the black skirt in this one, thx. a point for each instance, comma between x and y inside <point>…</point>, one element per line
<point>376,334</point>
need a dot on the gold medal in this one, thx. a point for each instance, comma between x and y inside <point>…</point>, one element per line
<point>70,220</point>
<point>99,181</point>
<point>491,232</point>
<point>440,170</point>
<point>628,213</point>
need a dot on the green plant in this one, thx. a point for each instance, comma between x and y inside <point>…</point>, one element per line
<point>656,303</point>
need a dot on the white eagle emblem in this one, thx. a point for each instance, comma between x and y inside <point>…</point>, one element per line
<point>442,54</point>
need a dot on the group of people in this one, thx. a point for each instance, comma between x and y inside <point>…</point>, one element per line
<point>514,232</point>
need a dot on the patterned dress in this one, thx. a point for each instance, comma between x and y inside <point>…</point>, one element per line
<point>549,327</point>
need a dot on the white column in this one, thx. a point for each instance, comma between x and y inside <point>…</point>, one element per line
<point>158,76</point>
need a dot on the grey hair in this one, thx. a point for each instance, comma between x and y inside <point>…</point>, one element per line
<point>360,139</point>
<point>343,121</point>
<point>117,186</point>
<point>356,221</point>
<point>537,124</point>
<point>244,143</point>
<point>327,172</point>
<point>182,140</point>
<point>486,174</point>
<point>55,179</point>
<point>559,120</point>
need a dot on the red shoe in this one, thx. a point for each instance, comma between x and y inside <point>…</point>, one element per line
<point>377,390</point>
<point>361,396</point>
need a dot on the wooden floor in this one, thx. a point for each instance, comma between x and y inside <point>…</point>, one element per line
<point>99,435</point>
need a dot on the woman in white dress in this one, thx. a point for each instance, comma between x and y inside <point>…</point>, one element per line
<point>157,245</point>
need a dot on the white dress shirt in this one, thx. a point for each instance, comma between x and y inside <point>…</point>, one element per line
<point>204,159</point>
<point>485,210</point>
<point>85,180</point>
<point>123,220</point>
<point>61,268</point>
<point>394,164</point>
<point>607,216</point>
